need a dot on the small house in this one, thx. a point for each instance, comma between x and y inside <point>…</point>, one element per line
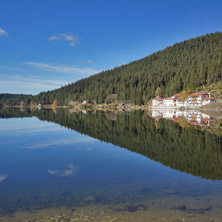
<point>157,101</point>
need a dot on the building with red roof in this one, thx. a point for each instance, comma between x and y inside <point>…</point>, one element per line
<point>157,101</point>
<point>193,100</point>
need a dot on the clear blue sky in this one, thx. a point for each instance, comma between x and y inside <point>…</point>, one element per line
<point>48,43</point>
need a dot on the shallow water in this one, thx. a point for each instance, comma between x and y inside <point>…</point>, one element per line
<point>89,172</point>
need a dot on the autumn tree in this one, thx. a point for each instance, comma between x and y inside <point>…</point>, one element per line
<point>158,91</point>
<point>184,95</point>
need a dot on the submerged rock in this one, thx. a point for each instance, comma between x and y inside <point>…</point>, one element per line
<point>89,199</point>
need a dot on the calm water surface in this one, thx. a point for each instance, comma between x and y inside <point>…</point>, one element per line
<point>108,167</point>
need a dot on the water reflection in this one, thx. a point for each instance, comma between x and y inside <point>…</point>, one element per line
<point>3,177</point>
<point>188,149</point>
<point>60,142</point>
<point>192,117</point>
<point>71,170</point>
<point>86,171</point>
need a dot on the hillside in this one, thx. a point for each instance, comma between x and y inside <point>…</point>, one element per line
<point>14,99</point>
<point>215,89</point>
<point>191,65</point>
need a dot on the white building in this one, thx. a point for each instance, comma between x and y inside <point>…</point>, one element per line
<point>157,115</point>
<point>193,100</point>
<point>169,102</point>
<point>157,101</point>
<point>208,100</point>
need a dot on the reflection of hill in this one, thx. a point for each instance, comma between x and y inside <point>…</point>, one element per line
<point>185,149</point>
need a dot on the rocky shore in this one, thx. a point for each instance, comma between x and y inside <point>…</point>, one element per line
<point>213,109</point>
<point>88,215</point>
<point>158,211</point>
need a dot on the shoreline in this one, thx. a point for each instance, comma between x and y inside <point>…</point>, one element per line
<point>171,210</point>
<point>214,108</point>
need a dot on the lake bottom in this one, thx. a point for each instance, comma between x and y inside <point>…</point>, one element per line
<point>131,212</point>
<point>172,207</point>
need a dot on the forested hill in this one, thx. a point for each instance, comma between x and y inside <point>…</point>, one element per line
<point>14,99</point>
<point>186,65</point>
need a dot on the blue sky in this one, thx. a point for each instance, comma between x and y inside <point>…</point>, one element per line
<point>45,44</point>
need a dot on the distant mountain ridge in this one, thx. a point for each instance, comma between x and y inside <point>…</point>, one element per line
<point>187,65</point>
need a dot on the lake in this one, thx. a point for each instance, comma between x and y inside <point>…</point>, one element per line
<point>64,165</point>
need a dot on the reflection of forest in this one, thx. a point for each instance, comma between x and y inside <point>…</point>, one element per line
<point>189,150</point>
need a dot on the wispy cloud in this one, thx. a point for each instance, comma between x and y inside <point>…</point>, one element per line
<point>71,170</point>
<point>3,32</point>
<point>11,68</point>
<point>3,177</point>
<point>90,61</point>
<point>62,142</point>
<point>72,39</point>
<point>85,148</point>
<point>64,68</point>
<point>17,129</point>
<point>28,82</point>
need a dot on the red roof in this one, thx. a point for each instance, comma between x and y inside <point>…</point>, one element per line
<point>169,99</point>
<point>157,118</point>
<point>208,119</point>
<point>197,94</point>
<point>179,99</point>
<point>177,94</point>
<point>210,98</point>
<point>157,98</point>
<point>174,99</point>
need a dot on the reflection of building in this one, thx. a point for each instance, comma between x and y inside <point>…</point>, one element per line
<point>192,117</point>
<point>192,100</point>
